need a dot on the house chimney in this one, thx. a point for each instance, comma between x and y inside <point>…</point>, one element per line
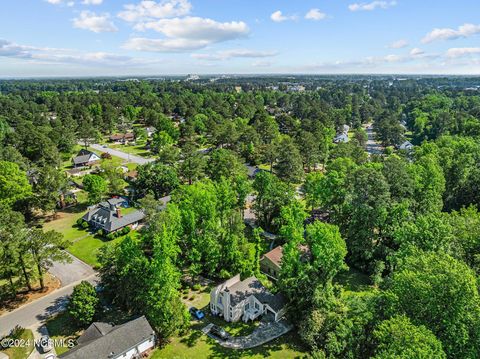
<point>119,213</point>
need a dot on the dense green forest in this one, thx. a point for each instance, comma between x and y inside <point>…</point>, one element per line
<point>406,219</point>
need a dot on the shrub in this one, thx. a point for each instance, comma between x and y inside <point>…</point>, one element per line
<point>196,287</point>
<point>110,236</point>
<point>80,221</point>
<point>100,232</point>
<point>125,230</point>
<point>84,225</point>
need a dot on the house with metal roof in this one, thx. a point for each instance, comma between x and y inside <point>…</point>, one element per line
<point>108,217</point>
<point>104,341</point>
<point>246,300</point>
<point>85,158</point>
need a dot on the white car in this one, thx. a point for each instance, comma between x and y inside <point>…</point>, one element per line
<point>46,344</point>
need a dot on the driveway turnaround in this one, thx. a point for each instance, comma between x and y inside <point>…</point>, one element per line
<point>68,273</point>
<point>123,155</point>
<point>266,331</point>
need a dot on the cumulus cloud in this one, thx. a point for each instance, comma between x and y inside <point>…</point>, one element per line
<point>315,14</point>
<point>398,44</point>
<point>234,53</point>
<point>462,52</point>
<point>147,10</point>
<point>371,5</point>
<point>277,16</point>
<point>92,2</point>
<point>465,30</point>
<point>188,33</point>
<point>88,20</point>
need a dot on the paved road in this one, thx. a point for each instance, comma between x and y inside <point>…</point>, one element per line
<point>373,147</point>
<point>38,311</point>
<point>71,272</point>
<point>126,156</point>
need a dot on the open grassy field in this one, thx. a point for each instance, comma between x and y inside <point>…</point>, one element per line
<point>24,350</point>
<point>65,223</point>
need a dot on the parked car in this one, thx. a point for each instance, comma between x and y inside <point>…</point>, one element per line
<point>197,313</point>
<point>46,343</point>
<point>219,332</point>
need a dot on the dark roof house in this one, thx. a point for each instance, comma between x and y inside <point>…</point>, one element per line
<point>105,341</point>
<point>108,216</point>
<point>85,158</point>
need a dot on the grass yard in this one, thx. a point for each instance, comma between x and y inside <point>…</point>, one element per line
<point>87,248</point>
<point>354,281</point>
<point>22,351</point>
<point>65,223</point>
<point>197,345</point>
<point>61,327</point>
<point>137,150</point>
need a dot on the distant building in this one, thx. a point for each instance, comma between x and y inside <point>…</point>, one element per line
<point>245,300</point>
<point>150,131</point>
<point>85,158</point>
<point>131,340</point>
<point>271,262</point>
<point>108,217</point>
<point>341,138</point>
<point>122,138</point>
<point>406,146</point>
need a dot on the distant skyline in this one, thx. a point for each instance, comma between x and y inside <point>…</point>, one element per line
<point>172,37</point>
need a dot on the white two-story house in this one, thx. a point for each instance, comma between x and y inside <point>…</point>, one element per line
<point>245,300</point>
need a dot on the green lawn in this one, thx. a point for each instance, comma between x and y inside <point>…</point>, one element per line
<point>354,281</point>
<point>197,345</point>
<point>21,351</point>
<point>65,223</point>
<point>61,327</point>
<point>87,248</point>
<point>137,150</point>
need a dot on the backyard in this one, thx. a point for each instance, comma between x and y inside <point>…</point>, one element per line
<point>21,351</point>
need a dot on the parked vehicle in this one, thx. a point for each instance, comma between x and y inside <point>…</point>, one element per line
<point>197,313</point>
<point>46,344</point>
<point>219,332</point>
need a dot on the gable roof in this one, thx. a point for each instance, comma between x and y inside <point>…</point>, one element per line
<point>252,286</point>
<point>85,156</point>
<point>94,331</point>
<point>105,215</point>
<point>118,340</point>
<point>276,254</point>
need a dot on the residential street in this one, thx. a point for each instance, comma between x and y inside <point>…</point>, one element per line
<point>373,147</point>
<point>36,312</point>
<point>126,156</point>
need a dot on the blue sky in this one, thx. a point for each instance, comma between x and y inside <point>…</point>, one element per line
<point>134,37</point>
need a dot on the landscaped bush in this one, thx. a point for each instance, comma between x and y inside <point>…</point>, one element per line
<point>111,236</point>
<point>196,287</point>
<point>125,230</point>
<point>84,225</point>
<point>80,222</point>
<point>100,232</point>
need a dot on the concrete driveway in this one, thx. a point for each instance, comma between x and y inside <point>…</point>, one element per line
<point>68,273</point>
<point>266,332</point>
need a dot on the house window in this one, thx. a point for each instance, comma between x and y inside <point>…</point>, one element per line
<point>257,306</point>
<point>220,299</point>
<point>247,306</point>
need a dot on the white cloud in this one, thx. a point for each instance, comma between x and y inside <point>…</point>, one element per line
<point>466,30</point>
<point>277,16</point>
<point>188,33</point>
<point>462,51</point>
<point>234,53</point>
<point>9,49</point>
<point>262,63</point>
<point>88,20</point>
<point>315,14</point>
<point>147,10</point>
<point>371,5</point>
<point>417,52</point>
<point>398,44</point>
<point>60,2</point>
<point>92,2</point>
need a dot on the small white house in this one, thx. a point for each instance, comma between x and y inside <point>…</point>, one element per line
<point>245,300</point>
<point>341,138</point>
